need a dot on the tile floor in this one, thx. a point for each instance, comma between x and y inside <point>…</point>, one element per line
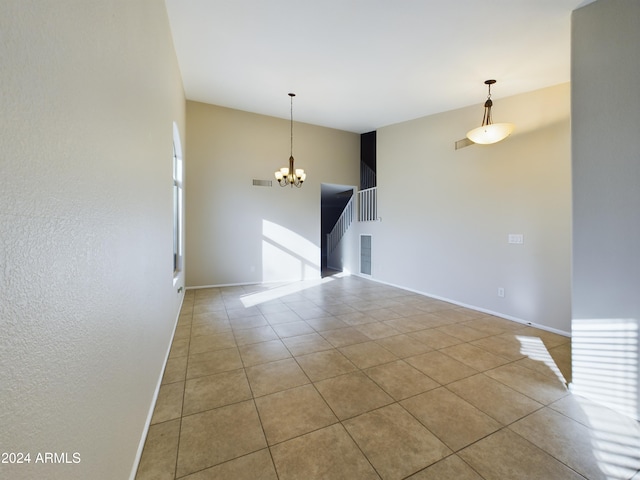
<point>351,379</point>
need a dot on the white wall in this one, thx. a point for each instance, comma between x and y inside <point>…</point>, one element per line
<point>90,90</point>
<point>446,214</point>
<point>606,202</point>
<point>238,233</point>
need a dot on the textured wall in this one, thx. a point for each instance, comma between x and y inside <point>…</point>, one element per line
<point>238,233</point>
<point>446,214</point>
<point>89,93</point>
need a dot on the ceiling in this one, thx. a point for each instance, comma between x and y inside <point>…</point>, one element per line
<point>358,65</point>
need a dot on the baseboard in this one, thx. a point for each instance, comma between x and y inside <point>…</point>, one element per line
<point>154,399</point>
<point>472,307</point>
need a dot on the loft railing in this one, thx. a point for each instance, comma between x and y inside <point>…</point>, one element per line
<point>341,226</point>
<point>368,205</point>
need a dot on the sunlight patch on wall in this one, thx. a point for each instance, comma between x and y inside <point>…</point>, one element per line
<point>287,256</point>
<point>605,362</point>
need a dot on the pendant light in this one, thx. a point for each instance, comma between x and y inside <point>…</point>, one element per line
<point>490,132</point>
<point>291,176</point>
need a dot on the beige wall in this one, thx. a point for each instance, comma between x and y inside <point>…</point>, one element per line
<point>90,90</point>
<point>446,214</point>
<point>237,233</point>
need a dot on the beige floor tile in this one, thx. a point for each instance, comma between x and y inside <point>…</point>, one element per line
<point>401,380</point>
<point>326,364</point>
<point>212,328</point>
<point>408,310</point>
<point>182,331</point>
<point>430,320</point>
<point>621,429</point>
<point>273,306</point>
<point>562,357</point>
<point>169,403</point>
<point>406,324</point>
<point>255,335</point>
<point>354,318</point>
<point>549,339</point>
<point>382,314</point>
<point>179,347</point>
<point>210,343</point>
<point>462,332</point>
<point>453,420</point>
<point>493,325</point>
<point>542,388</point>
<point>403,345</point>
<point>293,412</point>
<point>263,352</point>
<point>275,376</point>
<point>588,452</point>
<point>506,345</point>
<point>203,308</point>
<point>325,454</point>
<point>305,344</point>
<point>474,356</point>
<point>345,336</point>
<point>394,442</point>
<point>323,324</point>
<point>435,339</point>
<point>494,398</point>
<point>377,330</point>
<point>352,394</point>
<point>175,370</point>
<point>506,455</point>
<point>158,461</point>
<point>368,354</point>
<point>309,312</point>
<point>293,329</point>
<point>210,363</point>
<point>210,317</point>
<point>282,316</point>
<point>450,468</point>
<point>442,368</point>
<point>243,312</point>
<point>213,391</point>
<point>215,436</point>
<point>252,321</point>
<point>338,309</point>
<point>255,466</point>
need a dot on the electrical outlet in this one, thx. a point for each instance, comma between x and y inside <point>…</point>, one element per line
<point>500,292</point>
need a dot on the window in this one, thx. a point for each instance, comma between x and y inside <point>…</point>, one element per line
<point>177,201</point>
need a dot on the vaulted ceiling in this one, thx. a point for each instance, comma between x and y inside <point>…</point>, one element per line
<point>358,65</point>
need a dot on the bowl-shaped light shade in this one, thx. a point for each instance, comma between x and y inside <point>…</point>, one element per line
<point>490,133</point>
<point>278,175</point>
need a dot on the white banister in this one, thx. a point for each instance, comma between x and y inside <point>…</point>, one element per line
<point>341,226</point>
<point>367,205</point>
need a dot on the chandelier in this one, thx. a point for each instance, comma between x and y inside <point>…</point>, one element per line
<point>290,176</point>
<point>490,132</point>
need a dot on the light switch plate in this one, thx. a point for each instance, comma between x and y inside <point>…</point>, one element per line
<point>516,238</point>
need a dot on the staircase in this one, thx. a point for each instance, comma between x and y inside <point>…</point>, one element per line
<point>367,212</point>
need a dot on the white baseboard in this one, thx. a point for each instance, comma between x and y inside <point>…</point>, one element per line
<point>154,399</point>
<point>472,307</point>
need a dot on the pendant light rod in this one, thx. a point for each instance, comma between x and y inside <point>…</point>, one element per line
<point>291,95</point>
